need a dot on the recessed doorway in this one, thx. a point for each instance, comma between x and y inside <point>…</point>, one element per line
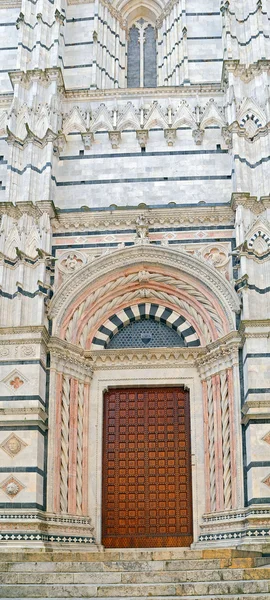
<point>146,483</point>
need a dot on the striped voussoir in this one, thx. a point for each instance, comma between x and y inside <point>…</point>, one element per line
<point>145,310</point>
<point>264,236</point>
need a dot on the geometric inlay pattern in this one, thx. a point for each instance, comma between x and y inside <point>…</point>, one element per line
<point>12,487</point>
<point>266,438</point>
<point>13,445</point>
<point>266,481</point>
<point>14,381</point>
<point>145,310</point>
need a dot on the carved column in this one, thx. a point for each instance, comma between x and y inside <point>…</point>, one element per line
<point>68,436</point>
<point>221,429</point>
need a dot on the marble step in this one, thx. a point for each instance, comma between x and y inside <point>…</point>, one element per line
<point>210,589</point>
<point>151,565</point>
<point>124,555</point>
<point>213,597</point>
<point>118,577</point>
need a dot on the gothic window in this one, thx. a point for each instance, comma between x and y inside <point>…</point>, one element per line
<point>142,57</point>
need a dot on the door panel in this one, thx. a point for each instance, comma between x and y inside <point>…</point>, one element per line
<point>146,496</point>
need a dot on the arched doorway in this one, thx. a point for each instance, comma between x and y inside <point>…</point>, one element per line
<point>98,303</point>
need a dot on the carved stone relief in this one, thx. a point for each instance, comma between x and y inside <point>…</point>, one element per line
<point>13,445</point>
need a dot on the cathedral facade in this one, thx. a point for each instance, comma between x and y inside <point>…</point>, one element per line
<point>135,286</point>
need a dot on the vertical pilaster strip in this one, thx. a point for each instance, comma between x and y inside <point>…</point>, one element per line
<point>72,463</point>
<point>57,463</point>
<point>85,476</point>
<point>226,440</point>
<point>206,447</point>
<point>232,409</point>
<point>64,445</point>
<point>218,443</point>
<point>80,433</point>
<point>211,430</point>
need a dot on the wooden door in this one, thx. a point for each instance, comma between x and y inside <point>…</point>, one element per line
<point>146,498</point>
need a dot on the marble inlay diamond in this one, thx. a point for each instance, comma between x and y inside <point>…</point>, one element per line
<point>13,445</point>
<point>14,381</point>
<point>266,481</point>
<point>12,487</point>
<point>266,438</point>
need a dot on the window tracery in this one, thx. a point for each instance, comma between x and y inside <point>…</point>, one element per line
<point>141,55</point>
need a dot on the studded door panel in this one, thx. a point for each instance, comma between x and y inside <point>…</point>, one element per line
<point>147,499</point>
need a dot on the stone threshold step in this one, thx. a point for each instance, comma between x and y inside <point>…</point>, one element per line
<point>124,577</point>
<point>139,566</point>
<point>225,589</point>
<point>123,555</point>
<point>215,597</point>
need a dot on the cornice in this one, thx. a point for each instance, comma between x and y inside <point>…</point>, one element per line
<point>10,3</point>
<point>221,354</point>
<point>244,72</point>
<point>158,92</point>
<point>83,220</point>
<point>27,331</point>
<point>80,2</point>
<point>138,358</point>
<point>255,328</point>
<point>254,204</point>
<point>34,210</point>
<point>43,77</point>
<point>69,358</point>
<point>26,415</point>
<point>6,100</point>
<point>241,132</point>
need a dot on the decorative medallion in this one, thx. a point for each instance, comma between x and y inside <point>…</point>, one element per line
<point>12,487</point>
<point>13,445</point>
<point>69,262</point>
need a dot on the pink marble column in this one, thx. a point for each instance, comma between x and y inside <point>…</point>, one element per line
<point>233,408</point>
<point>218,443</point>
<point>57,457</point>
<point>85,477</point>
<point>72,467</point>
<point>206,448</point>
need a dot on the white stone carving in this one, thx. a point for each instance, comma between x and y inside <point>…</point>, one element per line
<point>142,228</point>
<point>69,262</point>
<point>115,138</point>
<point>170,136</point>
<point>27,235</point>
<point>13,445</point>
<point>142,137</point>
<point>12,487</point>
